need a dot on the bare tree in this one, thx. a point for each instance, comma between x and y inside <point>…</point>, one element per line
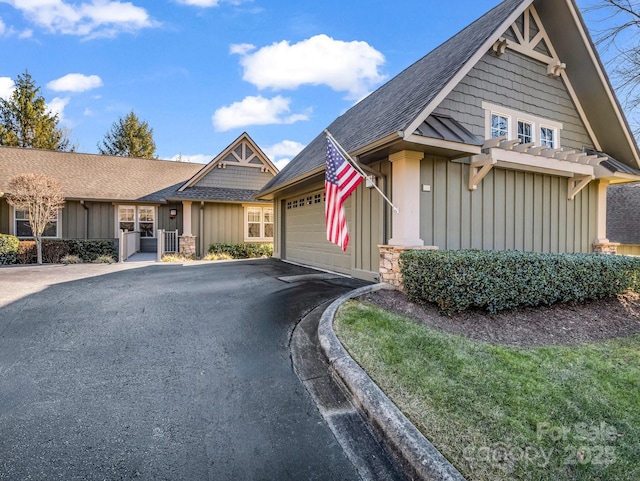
<point>620,39</point>
<point>41,197</point>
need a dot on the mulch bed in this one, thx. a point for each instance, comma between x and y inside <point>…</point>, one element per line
<point>555,325</point>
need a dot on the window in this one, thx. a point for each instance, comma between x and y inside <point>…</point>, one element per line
<point>23,228</point>
<point>145,221</point>
<point>137,218</point>
<point>547,137</point>
<point>525,132</point>
<point>505,122</point>
<point>499,126</point>
<point>259,223</point>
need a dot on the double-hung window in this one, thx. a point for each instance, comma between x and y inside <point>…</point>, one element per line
<point>22,227</point>
<point>499,125</point>
<point>259,224</point>
<point>137,218</point>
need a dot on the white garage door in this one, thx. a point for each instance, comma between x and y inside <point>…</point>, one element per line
<point>305,234</point>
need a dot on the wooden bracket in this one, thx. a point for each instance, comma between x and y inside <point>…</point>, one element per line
<point>576,184</point>
<point>480,166</point>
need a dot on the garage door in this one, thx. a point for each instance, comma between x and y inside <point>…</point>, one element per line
<point>305,234</point>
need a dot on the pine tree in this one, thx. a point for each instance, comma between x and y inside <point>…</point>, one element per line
<point>25,120</point>
<point>129,137</point>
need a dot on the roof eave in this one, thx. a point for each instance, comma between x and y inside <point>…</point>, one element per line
<point>268,194</point>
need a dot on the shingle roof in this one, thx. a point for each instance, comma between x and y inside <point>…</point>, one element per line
<point>215,193</point>
<point>396,104</point>
<point>98,177</point>
<point>612,164</point>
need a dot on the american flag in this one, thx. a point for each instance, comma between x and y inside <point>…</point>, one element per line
<point>341,179</point>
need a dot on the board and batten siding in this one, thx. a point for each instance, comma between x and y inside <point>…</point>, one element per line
<point>235,177</point>
<point>217,223</point>
<point>95,222</point>
<point>5,220</point>
<point>509,210</point>
<point>519,83</point>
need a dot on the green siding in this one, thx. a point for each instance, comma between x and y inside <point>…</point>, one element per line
<point>519,83</point>
<point>235,177</point>
<point>5,221</point>
<point>508,210</point>
<point>222,223</point>
<point>165,221</point>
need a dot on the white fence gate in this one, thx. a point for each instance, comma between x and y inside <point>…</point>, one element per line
<point>167,242</point>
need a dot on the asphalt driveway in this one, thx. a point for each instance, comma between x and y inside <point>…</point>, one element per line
<point>160,372</point>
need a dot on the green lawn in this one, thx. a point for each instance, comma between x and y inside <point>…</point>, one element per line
<point>504,413</point>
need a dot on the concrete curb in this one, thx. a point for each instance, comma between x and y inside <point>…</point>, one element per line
<point>418,457</point>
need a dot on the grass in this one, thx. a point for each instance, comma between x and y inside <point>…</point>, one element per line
<point>505,413</point>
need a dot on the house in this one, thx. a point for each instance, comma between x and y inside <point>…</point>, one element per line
<point>506,136</point>
<point>105,195</point>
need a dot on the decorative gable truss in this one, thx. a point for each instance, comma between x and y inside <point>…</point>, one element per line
<point>244,155</point>
<point>527,36</point>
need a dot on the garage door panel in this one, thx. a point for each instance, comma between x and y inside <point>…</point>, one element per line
<point>305,236</point>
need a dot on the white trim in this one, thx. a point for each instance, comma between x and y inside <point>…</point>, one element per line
<point>514,117</point>
<point>14,231</point>
<point>475,58</point>
<point>262,209</point>
<point>136,218</point>
<point>444,144</point>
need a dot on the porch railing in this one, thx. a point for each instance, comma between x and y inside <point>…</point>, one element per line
<point>129,244</point>
<point>167,242</point>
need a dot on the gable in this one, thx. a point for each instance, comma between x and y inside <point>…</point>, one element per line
<point>242,165</point>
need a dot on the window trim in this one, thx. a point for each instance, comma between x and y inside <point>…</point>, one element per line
<point>514,117</point>
<point>262,237</point>
<point>136,218</point>
<point>14,225</point>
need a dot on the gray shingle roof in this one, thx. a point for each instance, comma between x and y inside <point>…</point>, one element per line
<point>396,104</point>
<point>108,178</point>
<point>98,177</point>
<point>215,194</point>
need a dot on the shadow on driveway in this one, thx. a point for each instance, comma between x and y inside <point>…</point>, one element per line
<point>163,372</point>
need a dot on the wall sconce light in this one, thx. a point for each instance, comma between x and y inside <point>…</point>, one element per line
<point>173,213</point>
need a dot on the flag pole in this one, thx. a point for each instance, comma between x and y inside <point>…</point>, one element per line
<point>346,155</point>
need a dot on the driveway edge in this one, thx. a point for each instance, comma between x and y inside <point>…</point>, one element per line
<point>418,457</point>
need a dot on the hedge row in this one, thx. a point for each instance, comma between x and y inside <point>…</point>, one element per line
<point>8,249</point>
<point>24,252</point>
<point>494,281</point>
<point>243,250</point>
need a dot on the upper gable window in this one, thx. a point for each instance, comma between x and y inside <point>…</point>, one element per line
<point>529,129</point>
<point>499,125</point>
<point>525,132</point>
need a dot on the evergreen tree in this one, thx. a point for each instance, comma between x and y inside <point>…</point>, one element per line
<point>26,122</point>
<point>129,137</point>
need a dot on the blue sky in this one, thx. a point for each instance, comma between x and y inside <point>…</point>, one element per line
<point>201,72</point>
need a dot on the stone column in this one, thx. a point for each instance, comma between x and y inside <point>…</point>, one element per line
<point>390,263</point>
<point>188,245</point>
<point>405,178</point>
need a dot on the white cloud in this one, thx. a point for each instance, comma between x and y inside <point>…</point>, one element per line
<point>75,82</point>
<point>282,153</point>
<point>57,105</point>
<point>256,111</point>
<point>3,27</point>
<point>99,18</point>
<point>6,87</point>
<point>241,48</point>
<point>320,60</point>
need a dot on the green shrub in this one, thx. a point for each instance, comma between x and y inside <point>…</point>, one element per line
<point>89,249</point>
<point>53,251</point>
<point>8,249</point>
<point>243,250</point>
<point>71,259</point>
<point>494,281</point>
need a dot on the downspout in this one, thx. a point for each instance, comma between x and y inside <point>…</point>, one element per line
<point>86,219</point>
<point>202,253</point>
